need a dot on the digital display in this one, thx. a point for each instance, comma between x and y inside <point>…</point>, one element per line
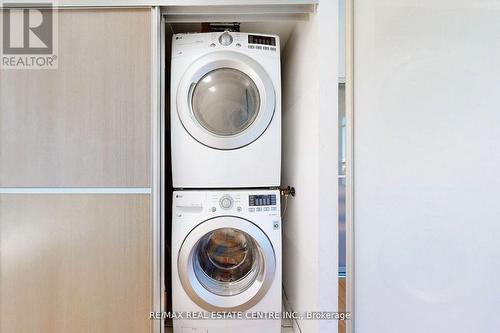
<point>262,200</point>
<point>262,40</point>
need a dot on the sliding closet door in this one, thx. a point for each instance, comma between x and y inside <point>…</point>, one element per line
<point>76,182</point>
<point>87,123</point>
<point>427,161</point>
<point>75,263</point>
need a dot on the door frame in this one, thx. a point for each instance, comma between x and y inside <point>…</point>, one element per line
<point>158,167</point>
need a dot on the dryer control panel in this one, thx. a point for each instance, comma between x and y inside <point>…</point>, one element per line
<point>187,43</point>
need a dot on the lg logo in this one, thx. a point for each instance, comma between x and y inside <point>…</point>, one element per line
<point>27,30</point>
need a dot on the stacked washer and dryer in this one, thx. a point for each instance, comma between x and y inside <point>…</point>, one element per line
<point>226,162</point>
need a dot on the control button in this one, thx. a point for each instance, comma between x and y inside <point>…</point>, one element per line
<point>251,210</point>
<point>212,45</point>
<point>273,49</point>
<point>273,208</point>
<point>226,39</point>
<point>265,48</point>
<point>238,209</point>
<point>266,209</point>
<point>258,47</point>
<point>226,202</point>
<point>238,45</point>
<point>259,209</point>
<point>251,47</point>
<point>213,209</point>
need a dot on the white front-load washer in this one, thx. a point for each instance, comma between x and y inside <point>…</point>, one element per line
<point>226,261</point>
<point>225,110</point>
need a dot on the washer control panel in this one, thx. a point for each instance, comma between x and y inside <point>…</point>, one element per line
<point>222,202</point>
<point>244,201</point>
<point>262,200</point>
<point>233,202</point>
<point>262,203</point>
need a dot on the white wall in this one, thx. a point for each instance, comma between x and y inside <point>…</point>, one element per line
<point>310,164</point>
<point>427,162</point>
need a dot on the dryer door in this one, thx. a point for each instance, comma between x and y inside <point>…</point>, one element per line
<point>225,100</point>
<point>226,264</point>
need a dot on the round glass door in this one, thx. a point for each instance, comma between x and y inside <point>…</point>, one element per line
<point>226,263</point>
<point>225,101</point>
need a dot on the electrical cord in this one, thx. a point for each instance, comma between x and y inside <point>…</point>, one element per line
<point>285,206</point>
<point>286,192</point>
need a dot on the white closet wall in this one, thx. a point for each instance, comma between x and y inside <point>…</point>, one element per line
<point>310,164</point>
<point>427,161</point>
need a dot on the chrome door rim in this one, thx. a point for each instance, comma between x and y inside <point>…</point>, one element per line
<point>208,300</point>
<point>232,60</point>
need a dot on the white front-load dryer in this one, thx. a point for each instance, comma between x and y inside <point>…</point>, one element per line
<point>226,261</point>
<point>225,110</point>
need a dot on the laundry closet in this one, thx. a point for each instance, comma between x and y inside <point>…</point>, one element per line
<point>307,45</point>
<point>85,165</point>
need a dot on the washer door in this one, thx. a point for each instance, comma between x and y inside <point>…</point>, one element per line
<point>226,264</point>
<point>225,100</point>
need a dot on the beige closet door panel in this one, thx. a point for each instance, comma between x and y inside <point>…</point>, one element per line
<point>75,263</point>
<point>88,122</point>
